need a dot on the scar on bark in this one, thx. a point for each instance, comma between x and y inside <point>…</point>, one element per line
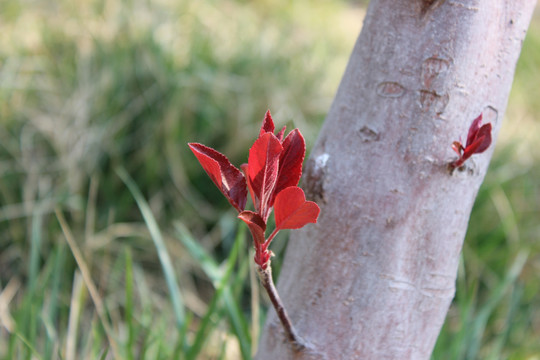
<point>427,5</point>
<point>314,178</point>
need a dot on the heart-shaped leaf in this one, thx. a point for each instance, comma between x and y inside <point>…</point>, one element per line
<point>227,178</point>
<point>256,225</point>
<point>292,211</point>
<point>263,170</point>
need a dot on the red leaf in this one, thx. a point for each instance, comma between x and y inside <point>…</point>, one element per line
<point>256,225</point>
<point>478,140</point>
<point>290,162</point>
<point>481,142</point>
<point>457,147</point>
<point>485,133</point>
<point>473,130</point>
<point>227,178</point>
<point>244,168</point>
<point>268,124</point>
<point>263,170</point>
<point>292,211</point>
<point>281,133</point>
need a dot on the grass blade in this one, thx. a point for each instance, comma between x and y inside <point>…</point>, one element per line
<point>239,322</point>
<point>129,305</point>
<point>35,246</point>
<point>49,318</point>
<point>481,319</point>
<point>163,254</point>
<point>255,301</point>
<point>76,303</point>
<point>92,289</point>
<point>29,345</point>
<point>221,279</point>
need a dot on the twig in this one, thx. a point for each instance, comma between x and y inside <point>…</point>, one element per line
<point>265,275</point>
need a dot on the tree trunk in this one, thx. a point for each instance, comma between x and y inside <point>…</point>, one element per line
<point>375,277</point>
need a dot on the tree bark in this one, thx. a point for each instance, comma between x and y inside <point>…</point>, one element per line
<point>375,277</point>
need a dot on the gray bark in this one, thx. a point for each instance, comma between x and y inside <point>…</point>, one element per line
<point>374,278</point>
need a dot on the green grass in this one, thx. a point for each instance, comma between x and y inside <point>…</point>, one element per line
<point>149,261</point>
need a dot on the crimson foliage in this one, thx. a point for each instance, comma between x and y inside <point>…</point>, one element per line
<point>271,175</point>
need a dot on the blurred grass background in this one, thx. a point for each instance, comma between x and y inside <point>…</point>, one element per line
<point>114,242</point>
